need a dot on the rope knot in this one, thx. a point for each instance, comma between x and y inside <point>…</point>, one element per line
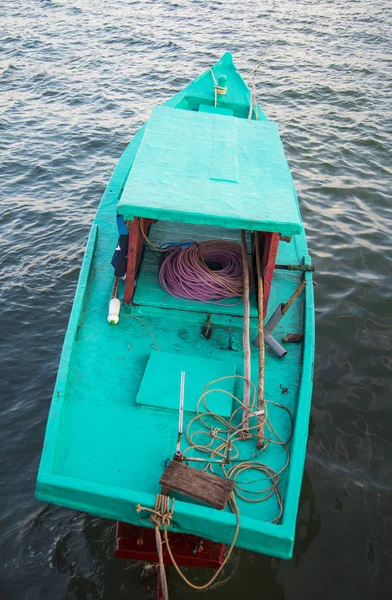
<point>161,514</point>
<point>214,433</point>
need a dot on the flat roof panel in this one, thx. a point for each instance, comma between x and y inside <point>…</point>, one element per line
<point>212,169</point>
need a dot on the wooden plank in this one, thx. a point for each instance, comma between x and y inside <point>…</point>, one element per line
<point>202,486</point>
<point>260,335</point>
<point>166,368</point>
<point>208,149</point>
<point>134,255</point>
<point>139,543</point>
<point>134,241</point>
<point>270,250</point>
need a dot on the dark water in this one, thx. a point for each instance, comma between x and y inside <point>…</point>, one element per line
<point>78,77</point>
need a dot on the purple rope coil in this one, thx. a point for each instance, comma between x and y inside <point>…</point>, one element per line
<point>186,271</point>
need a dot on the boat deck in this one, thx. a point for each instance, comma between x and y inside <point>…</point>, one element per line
<point>116,458</point>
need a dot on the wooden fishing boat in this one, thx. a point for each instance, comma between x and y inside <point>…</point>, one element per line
<point>208,165</point>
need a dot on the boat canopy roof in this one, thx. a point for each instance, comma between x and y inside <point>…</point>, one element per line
<point>212,169</point>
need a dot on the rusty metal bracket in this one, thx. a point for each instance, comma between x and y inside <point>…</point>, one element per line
<point>295,267</point>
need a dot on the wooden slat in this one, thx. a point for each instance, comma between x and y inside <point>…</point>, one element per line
<point>202,486</point>
<point>134,257</point>
<point>134,241</point>
<point>270,250</point>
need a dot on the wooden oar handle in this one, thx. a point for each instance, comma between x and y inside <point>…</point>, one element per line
<point>292,299</point>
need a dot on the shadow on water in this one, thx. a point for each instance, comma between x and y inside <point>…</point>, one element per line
<point>308,522</point>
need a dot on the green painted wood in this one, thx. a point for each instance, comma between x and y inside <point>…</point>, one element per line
<point>216,109</point>
<point>232,172</point>
<point>103,452</point>
<point>201,91</point>
<point>166,367</point>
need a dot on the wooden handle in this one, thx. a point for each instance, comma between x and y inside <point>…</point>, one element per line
<point>292,299</point>
<point>260,335</point>
<point>245,339</point>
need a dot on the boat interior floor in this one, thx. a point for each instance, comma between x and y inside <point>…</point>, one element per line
<point>124,387</point>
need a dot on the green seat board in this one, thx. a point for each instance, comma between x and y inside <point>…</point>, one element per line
<point>212,169</point>
<point>219,110</point>
<point>166,367</point>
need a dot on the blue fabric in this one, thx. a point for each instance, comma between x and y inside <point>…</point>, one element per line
<point>122,228</point>
<point>119,260</point>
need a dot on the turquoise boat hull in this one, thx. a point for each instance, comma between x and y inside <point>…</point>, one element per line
<point>104,450</point>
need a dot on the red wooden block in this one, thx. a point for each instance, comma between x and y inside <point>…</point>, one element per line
<point>134,242</point>
<point>134,258</point>
<point>138,543</point>
<point>268,260</point>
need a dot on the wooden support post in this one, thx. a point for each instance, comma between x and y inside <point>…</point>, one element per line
<point>270,251</point>
<point>260,331</point>
<point>245,340</point>
<point>134,242</point>
<point>134,246</point>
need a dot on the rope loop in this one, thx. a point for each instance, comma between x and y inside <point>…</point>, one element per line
<point>214,433</point>
<point>161,516</point>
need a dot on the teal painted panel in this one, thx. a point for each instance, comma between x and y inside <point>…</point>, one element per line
<point>214,170</point>
<point>224,159</point>
<point>237,97</point>
<point>166,367</point>
<point>215,109</point>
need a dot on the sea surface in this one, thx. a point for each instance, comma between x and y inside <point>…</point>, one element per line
<point>77,79</point>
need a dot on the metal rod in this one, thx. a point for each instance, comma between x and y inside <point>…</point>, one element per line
<point>274,318</point>
<point>214,461</point>
<point>205,460</point>
<point>180,415</point>
<point>274,345</point>
<point>295,267</point>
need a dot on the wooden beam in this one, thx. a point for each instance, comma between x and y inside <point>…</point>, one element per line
<point>245,340</point>
<point>134,242</point>
<point>260,333</point>
<point>269,253</point>
<point>135,257</point>
<point>200,485</point>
